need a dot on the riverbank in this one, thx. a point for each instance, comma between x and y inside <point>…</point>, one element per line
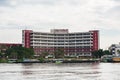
<point>60,61</point>
<point>57,61</point>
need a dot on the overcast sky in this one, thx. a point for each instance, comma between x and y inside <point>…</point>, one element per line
<point>75,15</point>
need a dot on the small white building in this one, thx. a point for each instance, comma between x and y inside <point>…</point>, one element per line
<point>115,49</point>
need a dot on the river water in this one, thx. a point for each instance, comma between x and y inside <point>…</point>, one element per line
<point>64,71</point>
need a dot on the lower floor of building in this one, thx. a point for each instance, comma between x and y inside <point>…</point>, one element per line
<point>75,52</point>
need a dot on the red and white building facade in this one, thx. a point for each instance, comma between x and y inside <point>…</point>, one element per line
<point>74,43</point>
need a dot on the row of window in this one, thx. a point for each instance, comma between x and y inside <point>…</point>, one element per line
<point>59,40</point>
<point>75,37</point>
<point>69,34</point>
<point>77,47</point>
<point>63,42</point>
<point>59,43</point>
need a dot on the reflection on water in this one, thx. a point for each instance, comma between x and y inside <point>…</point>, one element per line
<point>51,71</point>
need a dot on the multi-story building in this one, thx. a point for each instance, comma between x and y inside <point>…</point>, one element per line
<point>115,49</point>
<point>73,44</point>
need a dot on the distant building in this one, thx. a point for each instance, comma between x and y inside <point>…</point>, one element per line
<point>73,44</point>
<point>115,49</point>
<point>10,44</point>
<point>4,46</point>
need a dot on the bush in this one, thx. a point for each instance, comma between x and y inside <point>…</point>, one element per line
<point>41,59</point>
<point>3,60</point>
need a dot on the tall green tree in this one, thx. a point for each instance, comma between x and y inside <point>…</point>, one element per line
<point>59,53</point>
<point>97,53</point>
<point>1,55</point>
<point>9,52</point>
<point>107,52</point>
<point>19,52</point>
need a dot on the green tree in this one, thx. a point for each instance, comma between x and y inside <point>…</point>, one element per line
<point>44,54</point>
<point>9,52</point>
<point>118,51</point>
<point>3,47</point>
<point>19,52</point>
<point>97,53</point>
<point>1,55</point>
<point>59,53</point>
<point>107,52</point>
<point>2,50</point>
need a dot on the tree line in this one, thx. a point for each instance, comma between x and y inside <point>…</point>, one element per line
<point>17,52</point>
<point>100,52</point>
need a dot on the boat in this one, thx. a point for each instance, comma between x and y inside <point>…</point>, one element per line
<point>107,58</point>
<point>12,60</point>
<point>116,59</point>
<point>58,62</point>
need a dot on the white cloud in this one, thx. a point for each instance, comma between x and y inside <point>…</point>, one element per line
<point>11,36</point>
<point>77,15</point>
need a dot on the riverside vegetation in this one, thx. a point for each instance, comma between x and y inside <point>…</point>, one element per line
<point>17,53</point>
<point>21,53</point>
